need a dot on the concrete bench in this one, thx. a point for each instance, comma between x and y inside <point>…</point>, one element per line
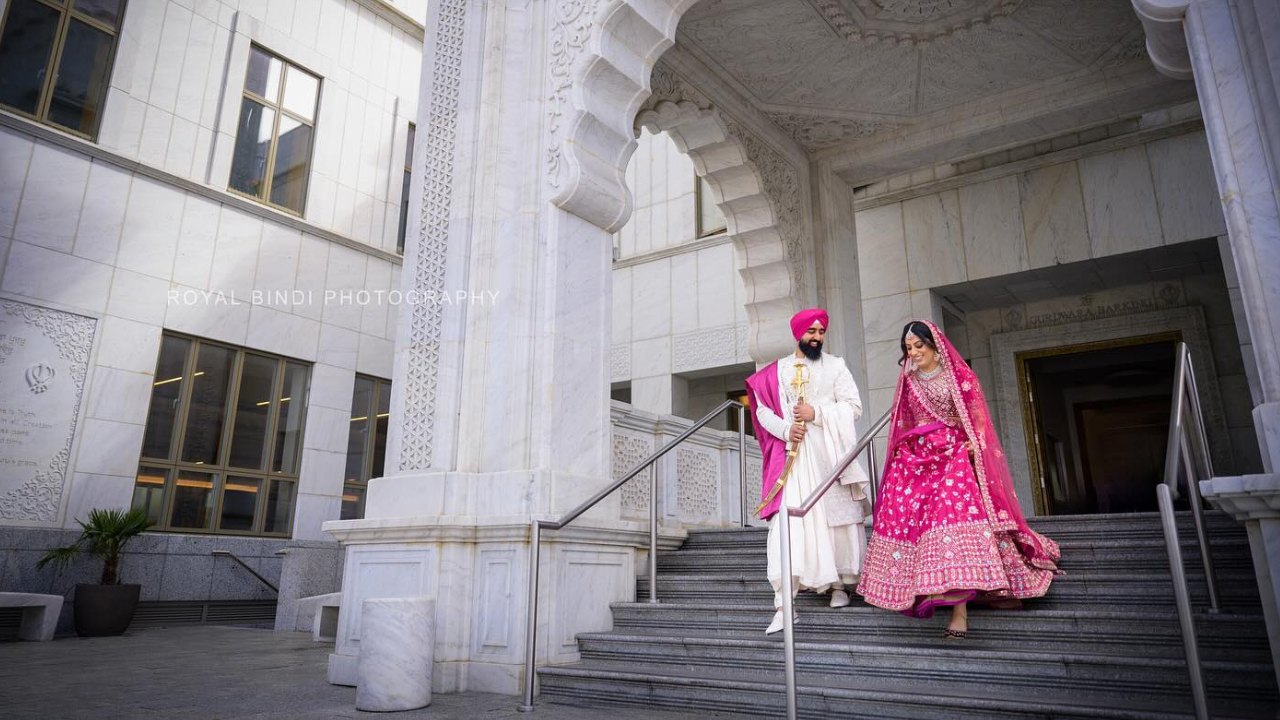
<point>39,615</point>
<point>319,614</point>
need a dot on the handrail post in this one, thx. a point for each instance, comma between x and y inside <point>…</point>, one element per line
<point>788,608</point>
<point>742,462</point>
<point>1175,419</point>
<point>653,536</point>
<point>1183,598</point>
<point>531,621</point>
<point>872,473</point>
<point>1202,538</point>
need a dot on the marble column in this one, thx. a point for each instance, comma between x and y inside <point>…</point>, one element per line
<point>500,405</point>
<point>1232,50</point>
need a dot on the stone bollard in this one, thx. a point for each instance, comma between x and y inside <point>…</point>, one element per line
<point>397,637</point>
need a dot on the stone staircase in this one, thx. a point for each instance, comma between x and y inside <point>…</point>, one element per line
<point>1103,644</point>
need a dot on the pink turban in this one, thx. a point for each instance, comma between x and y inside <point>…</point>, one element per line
<point>803,320</point>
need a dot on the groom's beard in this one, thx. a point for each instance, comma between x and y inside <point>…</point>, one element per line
<point>813,350</point>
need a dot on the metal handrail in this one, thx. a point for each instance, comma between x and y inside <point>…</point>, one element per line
<point>536,527</point>
<point>243,564</point>
<point>788,625</point>
<point>1186,446</point>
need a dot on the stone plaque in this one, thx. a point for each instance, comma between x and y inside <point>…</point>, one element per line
<point>44,356</point>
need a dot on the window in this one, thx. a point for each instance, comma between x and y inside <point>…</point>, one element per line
<point>366,442</point>
<point>709,218</point>
<point>272,156</point>
<point>223,440</point>
<point>55,60</point>
<point>404,193</point>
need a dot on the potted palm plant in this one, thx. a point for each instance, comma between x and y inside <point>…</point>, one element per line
<point>106,608</point>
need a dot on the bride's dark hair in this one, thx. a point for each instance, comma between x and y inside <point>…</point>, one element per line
<point>920,330</point>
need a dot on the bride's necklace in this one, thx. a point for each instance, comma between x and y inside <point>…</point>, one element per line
<point>931,374</point>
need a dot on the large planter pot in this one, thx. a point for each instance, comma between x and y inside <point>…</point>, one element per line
<point>104,609</point>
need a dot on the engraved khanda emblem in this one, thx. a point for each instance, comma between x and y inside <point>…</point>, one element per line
<point>39,376</point>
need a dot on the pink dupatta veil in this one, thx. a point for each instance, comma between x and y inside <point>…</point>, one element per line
<point>994,479</point>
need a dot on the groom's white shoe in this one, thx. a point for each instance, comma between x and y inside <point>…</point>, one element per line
<point>776,625</point>
<point>839,598</point>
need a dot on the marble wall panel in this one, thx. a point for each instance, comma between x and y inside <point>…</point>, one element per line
<point>90,491</point>
<point>882,251</point>
<point>620,326</point>
<point>102,216</point>
<point>43,274</point>
<point>935,243</point>
<point>1186,188</point>
<point>128,345</point>
<point>119,395</point>
<point>1120,202</point>
<point>138,297</point>
<point>15,157</point>
<point>197,238</point>
<point>52,197</point>
<point>685,293</point>
<point>992,225</point>
<point>721,298</point>
<point>882,367</point>
<point>651,300</point>
<point>883,317</point>
<point>311,511</point>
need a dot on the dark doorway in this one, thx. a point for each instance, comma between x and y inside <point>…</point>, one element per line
<point>1098,425</point>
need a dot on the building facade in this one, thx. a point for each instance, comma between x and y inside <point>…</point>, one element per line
<point>614,208</point>
<point>203,215</point>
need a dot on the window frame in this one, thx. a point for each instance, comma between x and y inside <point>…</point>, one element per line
<point>278,108</point>
<point>402,230</point>
<point>366,470</point>
<point>53,64</point>
<point>174,465</point>
<point>699,197</point>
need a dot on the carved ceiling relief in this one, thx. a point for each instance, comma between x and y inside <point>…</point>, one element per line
<point>908,20</point>
<point>819,133</point>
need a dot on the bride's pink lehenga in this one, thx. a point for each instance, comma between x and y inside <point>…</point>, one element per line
<point>948,528</point>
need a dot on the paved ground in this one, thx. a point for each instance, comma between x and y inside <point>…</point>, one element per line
<point>205,673</point>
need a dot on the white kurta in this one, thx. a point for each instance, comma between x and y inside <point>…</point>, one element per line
<point>828,544</point>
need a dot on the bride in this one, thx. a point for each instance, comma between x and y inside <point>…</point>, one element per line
<point>948,529</point>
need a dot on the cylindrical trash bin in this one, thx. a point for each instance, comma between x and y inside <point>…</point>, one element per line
<point>397,638</point>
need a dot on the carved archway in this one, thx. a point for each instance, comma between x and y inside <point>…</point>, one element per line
<point>603,92</point>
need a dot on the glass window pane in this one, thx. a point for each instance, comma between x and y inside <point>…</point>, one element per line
<point>252,149</point>
<point>404,214</point>
<point>358,434</point>
<point>239,502</point>
<point>279,506</point>
<point>408,148</point>
<point>148,493</point>
<point>104,11</point>
<point>352,503</point>
<point>26,47</point>
<point>166,393</point>
<point>293,398</point>
<point>263,75</point>
<point>293,160</point>
<point>192,500</point>
<point>81,87</point>
<point>380,429</point>
<point>710,219</point>
<point>209,382</point>
<point>253,408</point>
<point>300,89</point>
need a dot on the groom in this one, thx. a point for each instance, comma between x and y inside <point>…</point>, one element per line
<point>815,415</point>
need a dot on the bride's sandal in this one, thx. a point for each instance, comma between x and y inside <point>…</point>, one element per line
<point>950,634</point>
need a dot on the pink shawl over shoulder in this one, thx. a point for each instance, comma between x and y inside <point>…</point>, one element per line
<point>762,389</point>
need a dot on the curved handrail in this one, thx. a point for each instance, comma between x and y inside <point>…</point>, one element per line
<point>536,527</point>
<point>788,625</point>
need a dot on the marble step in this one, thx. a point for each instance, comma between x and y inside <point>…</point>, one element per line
<point>927,663</point>
<point>1145,633</point>
<point>729,689</point>
<point>1128,556</point>
<point>1067,530</point>
<point>1131,590</point>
